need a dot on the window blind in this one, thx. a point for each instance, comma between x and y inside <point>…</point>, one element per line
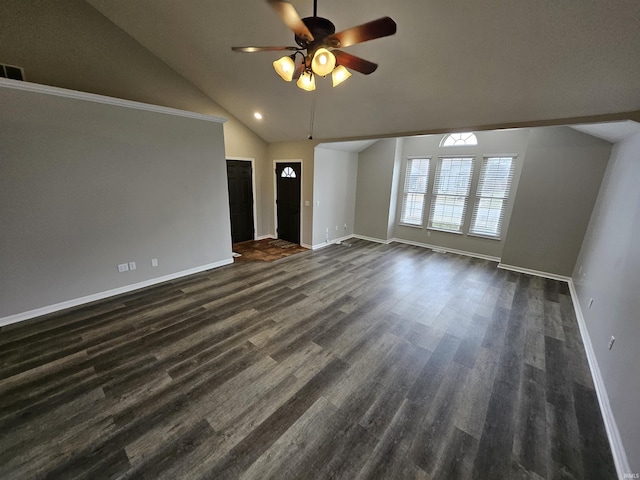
<point>450,193</point>
<point>416,181</point>
<point>492,194</point>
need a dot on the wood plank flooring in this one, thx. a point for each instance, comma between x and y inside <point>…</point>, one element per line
<point>368,361</point>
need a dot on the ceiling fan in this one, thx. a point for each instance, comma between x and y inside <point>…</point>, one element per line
<point>317,36</point>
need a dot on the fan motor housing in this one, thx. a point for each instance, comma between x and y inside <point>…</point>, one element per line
<point>320,28</point>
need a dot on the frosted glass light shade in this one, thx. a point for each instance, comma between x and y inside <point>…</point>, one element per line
<point>285,68</point>
<point>339,75</point>
<point>323,62</point>
<point>307,82</point>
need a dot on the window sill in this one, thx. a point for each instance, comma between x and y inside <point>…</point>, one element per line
<point>444,231</point>
<point>488,237</point>
<point>410,225</point>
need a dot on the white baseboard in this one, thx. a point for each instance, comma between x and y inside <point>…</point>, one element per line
<point>426,245</point>
<point>536,273</point>
<point>447,250</point>
<point>617,448</point>
<point>20,317</point>
<point>332,242</point>
<point>371,239</point>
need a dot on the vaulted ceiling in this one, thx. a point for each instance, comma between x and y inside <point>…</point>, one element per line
<point>451,65</point>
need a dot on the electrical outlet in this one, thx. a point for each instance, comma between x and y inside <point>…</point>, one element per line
<point>132,265</point>
<point>345,227</point>
<point>123,267</point>
<point>336,228</point>
<point>154,262</point>
<point>613,339</point>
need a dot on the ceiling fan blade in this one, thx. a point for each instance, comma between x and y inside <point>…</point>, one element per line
<point>291,18</point>
<point>354,63</point>
<point>262,49</point>
<point>382,27</point>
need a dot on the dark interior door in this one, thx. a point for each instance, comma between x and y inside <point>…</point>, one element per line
<point>288,201</point>
<point>240,200</point>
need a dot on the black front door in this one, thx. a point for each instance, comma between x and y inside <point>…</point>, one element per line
<point>240,200</point>
<point>288,201</point>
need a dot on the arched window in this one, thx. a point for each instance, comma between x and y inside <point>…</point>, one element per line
<point>459,140</point>
<point>288,172</point>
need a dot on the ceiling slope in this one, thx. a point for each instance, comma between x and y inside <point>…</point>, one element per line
<point>451,65</point>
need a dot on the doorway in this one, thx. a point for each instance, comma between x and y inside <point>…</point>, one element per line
<point>288,194</point>
<point>240,182</point>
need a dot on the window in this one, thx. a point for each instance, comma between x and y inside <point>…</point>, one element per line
<point>450,193</point>
<point>288,172</point>
<point>491,196</point>
<point>416,181</point>
<point>459,140</point>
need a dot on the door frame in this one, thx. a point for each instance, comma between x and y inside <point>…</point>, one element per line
<point>253,188</point>
<point>275,194</point>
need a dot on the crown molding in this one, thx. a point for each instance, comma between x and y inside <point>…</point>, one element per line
<point>92,97</point>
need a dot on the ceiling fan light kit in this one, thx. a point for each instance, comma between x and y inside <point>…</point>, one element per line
<point>318,37</point>
<point>339,75</point>
<point>307,82</point>
<point>285,67</point>
<point>323,62</point>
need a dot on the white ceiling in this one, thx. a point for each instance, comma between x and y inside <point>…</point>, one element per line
<point>452,65</point>
<point>611,131</point>
<point>355,146</point>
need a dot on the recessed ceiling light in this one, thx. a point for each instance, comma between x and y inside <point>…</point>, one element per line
<point>258,115</point>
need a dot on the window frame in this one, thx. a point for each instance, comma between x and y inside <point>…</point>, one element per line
<point>475,184</point>
<point>470,141</point>
<point>465,198</point>
<point>406,191</point>
<point>505,199</point>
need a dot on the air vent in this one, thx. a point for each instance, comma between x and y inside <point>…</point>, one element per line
<point>12,72</point>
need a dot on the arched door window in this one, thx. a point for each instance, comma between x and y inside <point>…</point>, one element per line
<point>288,172</point>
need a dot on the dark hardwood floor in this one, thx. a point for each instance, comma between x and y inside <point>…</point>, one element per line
<point>369,361</point>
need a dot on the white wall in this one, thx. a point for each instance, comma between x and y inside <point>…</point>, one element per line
<point>395,202</point>
<point>334,194</point>
<point>373,193</point>
<point>608,270</point>
<point>85,186</point>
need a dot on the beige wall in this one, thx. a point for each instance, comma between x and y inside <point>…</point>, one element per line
<point>293,151</point>
<point>86,186</point>
<point>608,271</point>
<point>558,187</point>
